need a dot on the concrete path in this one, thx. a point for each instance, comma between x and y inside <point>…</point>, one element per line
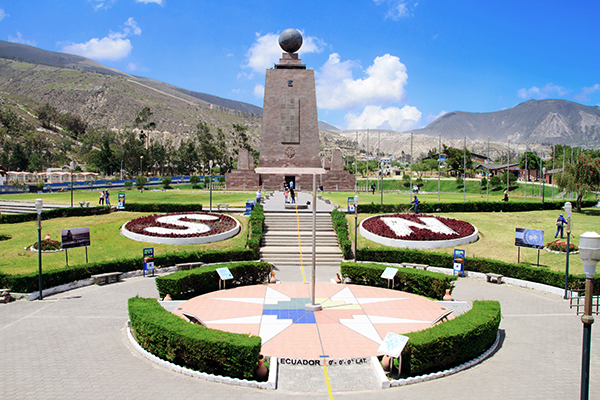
<point>73,346</point>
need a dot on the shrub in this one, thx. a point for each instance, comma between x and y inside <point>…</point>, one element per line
<point>340,225</point>
<point>194,179</point>
<point>171,338</point>
<point>166,182</point>
<point>256,227</point>
<point>561,245</point>
<point>422,283</point>
<point>162,208</point>
<point>55,213</point>
<point>187,284</point>
<point>140,181</point>
<point>128,185</point>
<point>48,245</point>
<point>454,342</point>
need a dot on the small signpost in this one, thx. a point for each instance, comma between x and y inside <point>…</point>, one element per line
<point>224,275</point>
<point>531,238</point>
<point>459,262</point>
<point>148,257</point>
<point>351,205</point>
<point>121,204</point>
<point>392,345</point>
<point>389,274</point>
<point>75,237</point>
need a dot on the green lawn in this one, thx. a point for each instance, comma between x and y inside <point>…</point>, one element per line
<point>106,242</point>
<point>497,236</point>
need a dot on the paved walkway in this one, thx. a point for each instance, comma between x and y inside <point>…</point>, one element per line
<point>73,346</point>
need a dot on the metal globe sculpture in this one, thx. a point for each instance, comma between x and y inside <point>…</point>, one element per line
<point>290,40</point>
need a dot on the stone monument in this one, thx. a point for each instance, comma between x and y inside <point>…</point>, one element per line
<point>290,130</point>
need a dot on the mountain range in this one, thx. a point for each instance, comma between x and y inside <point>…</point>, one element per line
<point>31,77</point>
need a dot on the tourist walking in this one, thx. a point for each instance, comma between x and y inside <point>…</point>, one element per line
<point>416,203</point>
<point>505,195</point>
<point>258,196</point>
<point>560,224</point>
<point>101,200</point>
<point>373,188</point>
<point>292,195</point>
<point>286,194</point>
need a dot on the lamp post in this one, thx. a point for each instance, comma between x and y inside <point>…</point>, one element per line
<point>355,223</point>
<point>543,186</point>
<point>568,208</point>
<point>39,204</point>
<point>121,169</point>
<point>381,181</point>
<point>210,164</point>
<point>72,167</point>
<point>589,253</point>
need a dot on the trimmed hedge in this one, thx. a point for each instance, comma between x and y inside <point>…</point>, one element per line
<point>54,213</point>
<point>476,264</point>
<point>256,227</point>
<point>471,206</point>
<point>454,342</point>
<point>171,338</point>
<point>340,225</point>
<point>187,284</point>
<point>162,208</point>
<point>27,283</point>
<point>422,283</point>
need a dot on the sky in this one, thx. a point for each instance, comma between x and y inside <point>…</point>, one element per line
<point>379,64</point>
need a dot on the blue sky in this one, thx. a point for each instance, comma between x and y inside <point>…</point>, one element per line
<point>379,63</point>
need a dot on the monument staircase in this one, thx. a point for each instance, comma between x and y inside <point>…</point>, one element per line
<point>287,241</point>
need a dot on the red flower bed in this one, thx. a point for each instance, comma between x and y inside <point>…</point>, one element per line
<point>223,223</point>
<point>380,228</point>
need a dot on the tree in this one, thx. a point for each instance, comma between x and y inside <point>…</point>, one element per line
<point>581,178</point>
<point>47,116</point>
<point>194,179</point>
<point>455,158</point>
<point>533,161</point>
<point>166,182</point>
<point>142,121</point>
<point>496,182</point>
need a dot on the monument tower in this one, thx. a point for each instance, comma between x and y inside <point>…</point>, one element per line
<point>289,147</point>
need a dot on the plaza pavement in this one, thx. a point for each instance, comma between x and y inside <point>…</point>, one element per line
<point>73,345</point>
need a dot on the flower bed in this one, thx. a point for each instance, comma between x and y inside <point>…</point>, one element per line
<point>560,246</point>
<point>181,228</point>
<point>417,231</point>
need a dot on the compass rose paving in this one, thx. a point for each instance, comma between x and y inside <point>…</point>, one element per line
<point>352,324</point>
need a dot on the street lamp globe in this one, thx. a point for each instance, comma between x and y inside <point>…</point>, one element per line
<point>589,252</point>
<point>568,208</point>
<point>39,204</point>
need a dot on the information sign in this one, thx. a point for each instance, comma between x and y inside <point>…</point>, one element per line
<point>459,262</point>
<point>531,238</point>
<point>393,344</point>
<point>389,273</point>
<point>148,260</point>
<point>351,204</point>
<point>224,273</point>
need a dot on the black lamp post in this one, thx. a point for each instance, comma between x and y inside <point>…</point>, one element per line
<point>568,208</point>
<point>39,204</point>
<point>355,223</point>
<point>589,253</point>
<point>543,186</point>
<point>210,165</point>
<point>72,166</point>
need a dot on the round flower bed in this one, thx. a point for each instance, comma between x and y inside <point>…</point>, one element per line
<point>560,247</point>
<point>417,231</point>
<point>181,228</point>
<point>48,246</point>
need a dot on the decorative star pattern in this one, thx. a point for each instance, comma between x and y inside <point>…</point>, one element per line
<point>352,323</point>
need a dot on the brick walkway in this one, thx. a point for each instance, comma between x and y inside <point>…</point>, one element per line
<point>73,346</point>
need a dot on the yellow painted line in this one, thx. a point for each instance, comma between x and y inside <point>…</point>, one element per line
<point>300,244</point>
<point>327,379</point>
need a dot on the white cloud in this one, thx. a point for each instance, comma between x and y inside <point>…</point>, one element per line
<point>132,66</point>
<point>585,92</point>
<point>375,117</point>
<point>3,14</point>
<point>384,83</point>
<point>536,93</point>
<point>159,2</point>
<point>259,91</point>
<point>432,117</point>
<point>113,47</point>
<point>19,39</point>
<point>397,9</point>
<point>102,4</point>
<point>265,51</point>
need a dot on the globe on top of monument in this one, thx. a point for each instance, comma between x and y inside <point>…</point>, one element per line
<point>290,40</point>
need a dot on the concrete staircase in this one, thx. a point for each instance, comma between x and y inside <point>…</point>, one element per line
<point>287,241</point>
<point>8,207</point>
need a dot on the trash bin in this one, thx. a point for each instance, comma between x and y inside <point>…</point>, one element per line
<point>249,207</point>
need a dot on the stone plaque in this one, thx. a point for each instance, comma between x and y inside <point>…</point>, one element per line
<point>290,121</point>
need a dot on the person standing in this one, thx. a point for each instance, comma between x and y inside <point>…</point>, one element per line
<point>101,200</point>
<point>292,194</point>
<point>107,198</point>
<point>286,194</point>
<point>416,203</point>
<point>373,188</point>
<point>560,224</point>
<point>258,196</point>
